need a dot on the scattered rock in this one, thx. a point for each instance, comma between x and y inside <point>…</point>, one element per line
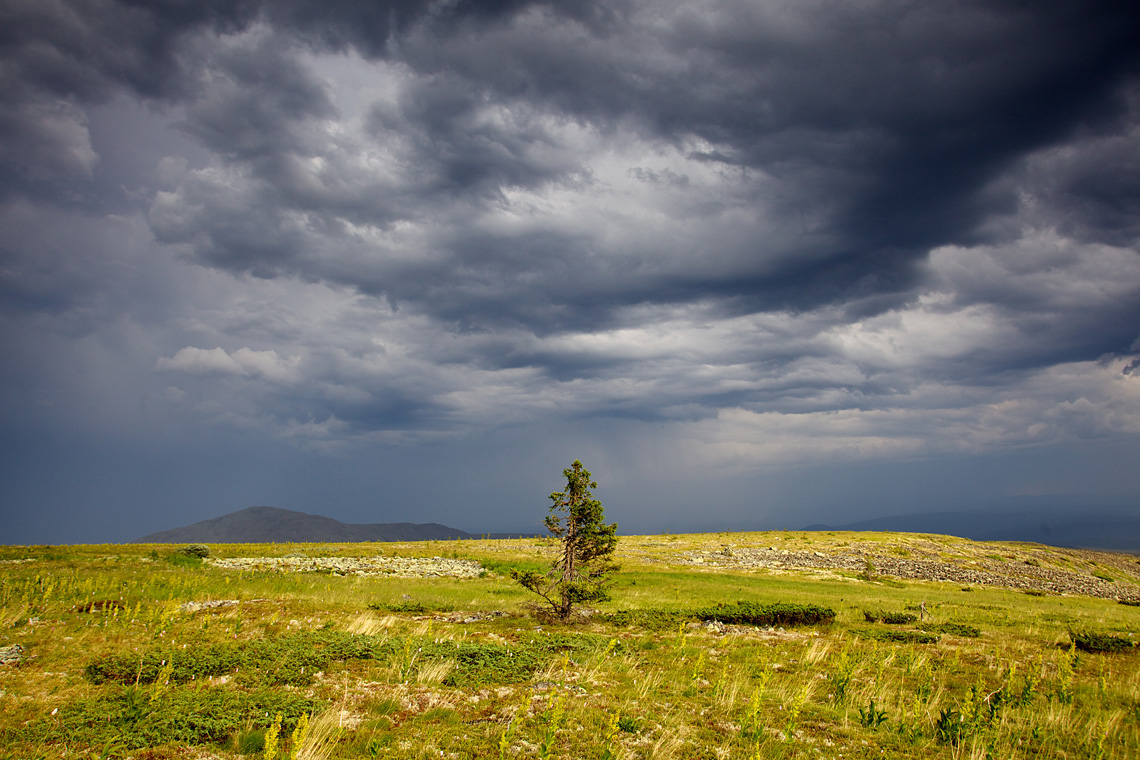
<point>542,686</point>
<point>11,655</point>
<point>392,567</point>
<point>211,605</point>
<point>1007,575</point>
<point>471,617</point>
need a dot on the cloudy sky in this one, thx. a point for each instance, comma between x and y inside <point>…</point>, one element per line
<point>757,264</point>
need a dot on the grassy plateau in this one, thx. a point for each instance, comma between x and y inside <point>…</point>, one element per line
<point>729,645</point>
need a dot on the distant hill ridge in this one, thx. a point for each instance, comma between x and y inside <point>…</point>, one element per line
<point>259,525</point>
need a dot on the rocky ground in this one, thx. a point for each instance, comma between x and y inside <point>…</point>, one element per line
<point>393,567</point>
<point>1029,567</point>
<point>1020,567</point>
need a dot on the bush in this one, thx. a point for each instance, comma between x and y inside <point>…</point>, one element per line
<point>1090,641</point>
<point>484,664</point>
<point>292,660</point>
<point>479,664</point>
<point>128,715</point>
<point>201,551</point>
<point>752,613</point>
<point>412,607</point>
<point>740,613</point>
<point>891,618</point>
<point>902,637</point>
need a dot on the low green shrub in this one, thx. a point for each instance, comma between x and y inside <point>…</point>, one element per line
<point>485,664</point>
<point>135,718</point>
<point>629,724</point>
<point>201,551</point>
<point>1091,641</point>
<point>902,637</point>
<point>740,613</point>
<point>179,559</point>
<point>420,608</point>
<point>478,664</point>
<point>292,660</point>
<point>891,618</point>
<point>752,613</point>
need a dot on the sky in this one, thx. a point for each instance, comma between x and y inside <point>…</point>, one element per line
<point>756,264</point>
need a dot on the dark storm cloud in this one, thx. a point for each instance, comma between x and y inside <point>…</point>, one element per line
<point>636,210</point>
<point>885,132</point>
<point>258,94</point>
<point>57,58</point>
<point>884,127</point>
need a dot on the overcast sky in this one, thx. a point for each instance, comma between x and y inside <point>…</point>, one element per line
<point>756,264</point>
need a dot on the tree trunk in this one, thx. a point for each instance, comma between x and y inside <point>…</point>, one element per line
<point>569,569</point>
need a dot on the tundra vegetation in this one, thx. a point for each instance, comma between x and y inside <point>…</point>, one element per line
<point>149,652</point>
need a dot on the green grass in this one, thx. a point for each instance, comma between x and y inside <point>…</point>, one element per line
<point>116,667</point>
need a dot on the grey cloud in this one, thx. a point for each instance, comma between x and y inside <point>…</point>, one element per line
<point>885,132</point>
<point>733,233</point>
<point>258,94</point>
<point>56,59</point>
<point>1088,188</point>
<point>82,50</point>
<point>457,148</point>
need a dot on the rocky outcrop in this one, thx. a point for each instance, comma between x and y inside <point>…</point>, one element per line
<point>392,567</point>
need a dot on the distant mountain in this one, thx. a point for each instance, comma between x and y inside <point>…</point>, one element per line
<point>1069,528</point>
<point>259,525</point>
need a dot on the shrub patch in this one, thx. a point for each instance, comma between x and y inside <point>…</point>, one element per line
<point>291,660</point>
<point>890,618</point>
<point>903,637</point>
<point>740,613</point>
<point>1091,641</point>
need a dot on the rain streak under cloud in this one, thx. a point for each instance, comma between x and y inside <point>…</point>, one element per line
<point>754,263</point>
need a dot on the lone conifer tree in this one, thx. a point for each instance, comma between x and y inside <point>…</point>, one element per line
<point>579,573</point>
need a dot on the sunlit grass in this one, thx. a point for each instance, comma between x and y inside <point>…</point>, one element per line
<point>1016,691</point>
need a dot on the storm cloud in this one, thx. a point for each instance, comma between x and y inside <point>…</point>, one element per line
<point>708,243</point>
